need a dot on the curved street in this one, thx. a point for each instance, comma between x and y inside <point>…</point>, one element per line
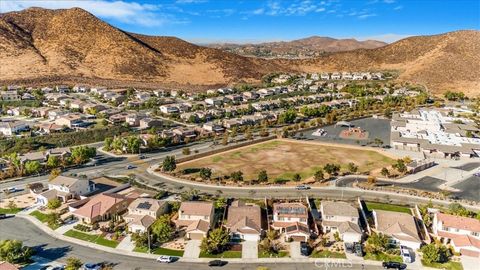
<point>57,250</point>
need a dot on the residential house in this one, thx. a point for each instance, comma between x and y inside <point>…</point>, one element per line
<point>65,188</point>
<point>33,156</point>
<point>196,217</point>
<point>71,120</point>
<point>169,109</point>
<point>244,221</point>
<point>102,207</point>
<point>343,218</point>
<point>143,212</point>
<point>118,118</point>
<point>266,92</point>
<point>81,88</point>
<point>325,76</point>
<point>336,76</point>
<point>48,128</point>
<point>401,227</point>
<point>10,95</point>
<point>215,101</point>
<point>462,233</point>
<point>4,265</point>
<point>62,89</point>
<point>150,122</point>
<point>54,114</point>
<point>292,219</point>
<point>10,128</point>
<point>213,127</point>
<point>185,132</point>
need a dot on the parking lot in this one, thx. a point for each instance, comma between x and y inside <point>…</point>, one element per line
<point>377,128</point>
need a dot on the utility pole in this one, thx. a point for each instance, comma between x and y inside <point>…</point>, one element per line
<point>148,236</point>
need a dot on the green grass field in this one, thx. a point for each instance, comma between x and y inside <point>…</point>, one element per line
<point>283,159</point>
<point>383,257</point>
<point>448,265</point>
<point>39,215</point>
<point>9,211</point>
<point>388,207</point>
<point>97,239</point>
<point>328,254</point>
<point>161,251</point>
<point>281,254</point>
<point>225,254</point>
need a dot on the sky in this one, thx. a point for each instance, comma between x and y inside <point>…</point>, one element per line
<point>253,21</point>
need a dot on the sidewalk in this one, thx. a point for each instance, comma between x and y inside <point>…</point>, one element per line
<point>126,244</point>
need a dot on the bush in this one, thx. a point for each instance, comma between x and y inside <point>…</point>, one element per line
<point>82,228</point>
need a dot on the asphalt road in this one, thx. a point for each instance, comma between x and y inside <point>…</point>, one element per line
<point>58,250</point>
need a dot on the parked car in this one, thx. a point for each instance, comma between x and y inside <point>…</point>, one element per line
<point>11,190</point>
<point>218,263</point>
<point>405,253</point>
<point>394,265</point>
<point>92,266</point>
<point>358,249</point>
<point>129,167</point>
<point>304,249</point>
<point>165,259</point>
<point>303,187</point>
<point>142,157</point>
<point>349,247</point>
<point>2,216</point>
<point>60,267</point>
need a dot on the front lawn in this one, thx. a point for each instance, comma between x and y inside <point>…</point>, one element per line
<point>387,207</point>
<point>39,215</point>
<point>383,257</point>
<point>97,239</point>
<point>161,251</point>
<point>328,254</point>
<point>9,211</point>
<point>280,254</point>
<point>448,265</point>
<point>225,254</point>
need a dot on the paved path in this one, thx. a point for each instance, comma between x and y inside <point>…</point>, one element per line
<point>126,244</point>
<point>249,250</point>
<point>65,228</point>
<point>192,249</point>
<point>295,250</point>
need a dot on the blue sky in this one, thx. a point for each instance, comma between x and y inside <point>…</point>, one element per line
<point>204,21</point>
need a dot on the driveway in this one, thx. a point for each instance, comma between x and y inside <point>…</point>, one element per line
<point>126,243</point>
<point>250,250</point>
<point>469,262</point>
<point>192,249</point>
<point>295,250</point>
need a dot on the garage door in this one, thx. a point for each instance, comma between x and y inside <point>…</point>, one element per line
<point>470,253</point>
<point>196,236</point>
<point>251,237</point>
<point>298,238</point>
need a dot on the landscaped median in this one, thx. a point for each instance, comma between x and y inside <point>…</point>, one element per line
<point>10,211</point>
<point>161,251</point>
<point>448,265</point>
<point>327,254</point>
<point>93,238</point>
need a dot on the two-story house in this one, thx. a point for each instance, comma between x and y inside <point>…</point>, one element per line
<point>244,221</point>
<point>65,188</point>
<point>196,217</point>
<point>291,219</point>
<point>143,212</point>
<point>462,233</point>
<point>343,218</point>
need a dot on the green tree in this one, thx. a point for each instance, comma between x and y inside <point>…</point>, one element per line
<point>248,134</point>
<point>287,117</point>
<point>53,219</point>
<point>133,144</point>
<point>225,138</point>
<point>162,229</point>
<point>220,203</point>
<point>400,166</point>
<point>352,168</point>
<point>140,239</point>
<point>32,167</point>
<point>297,177</point>
<point>186,151</point>
<point>53,161</point>
<point>319,175</point>
<point>205,173</point>
<point>54,173</point>
<point>458,209</point>
<point>54,203</point>
<point>82,154</point>
<point>377,242</point>
<point>385,172</point>
<point>216,241</point>
<point>169,164</point>
<point>14,251</point>
<point>331,168</point>
<point>107,144</point>
<point>73,263</point>
<point>263,176</point>
<point>433,253</point>
<point>237,176</point>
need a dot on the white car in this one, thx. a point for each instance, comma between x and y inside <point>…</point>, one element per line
<point>405,253</point>
<point>165,259</point>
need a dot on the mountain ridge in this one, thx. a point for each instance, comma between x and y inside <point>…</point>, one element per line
<point>40,46</point>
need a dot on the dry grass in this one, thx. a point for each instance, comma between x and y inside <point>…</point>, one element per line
<point>282,159</point>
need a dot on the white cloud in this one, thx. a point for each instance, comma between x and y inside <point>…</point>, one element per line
<point>389,1</point>
<point>365,16</point>
<point>398,8</point>
<point>258,11</point>
<point>121,11</point>
<point>190,1</point>
<point>297,8</point>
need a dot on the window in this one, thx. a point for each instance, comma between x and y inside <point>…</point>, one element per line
<point>476,234</point>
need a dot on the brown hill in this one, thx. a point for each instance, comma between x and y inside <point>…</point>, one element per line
<point>311,46</point>
<point>69,46</point>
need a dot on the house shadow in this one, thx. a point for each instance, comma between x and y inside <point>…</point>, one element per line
<point>54,253</point>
